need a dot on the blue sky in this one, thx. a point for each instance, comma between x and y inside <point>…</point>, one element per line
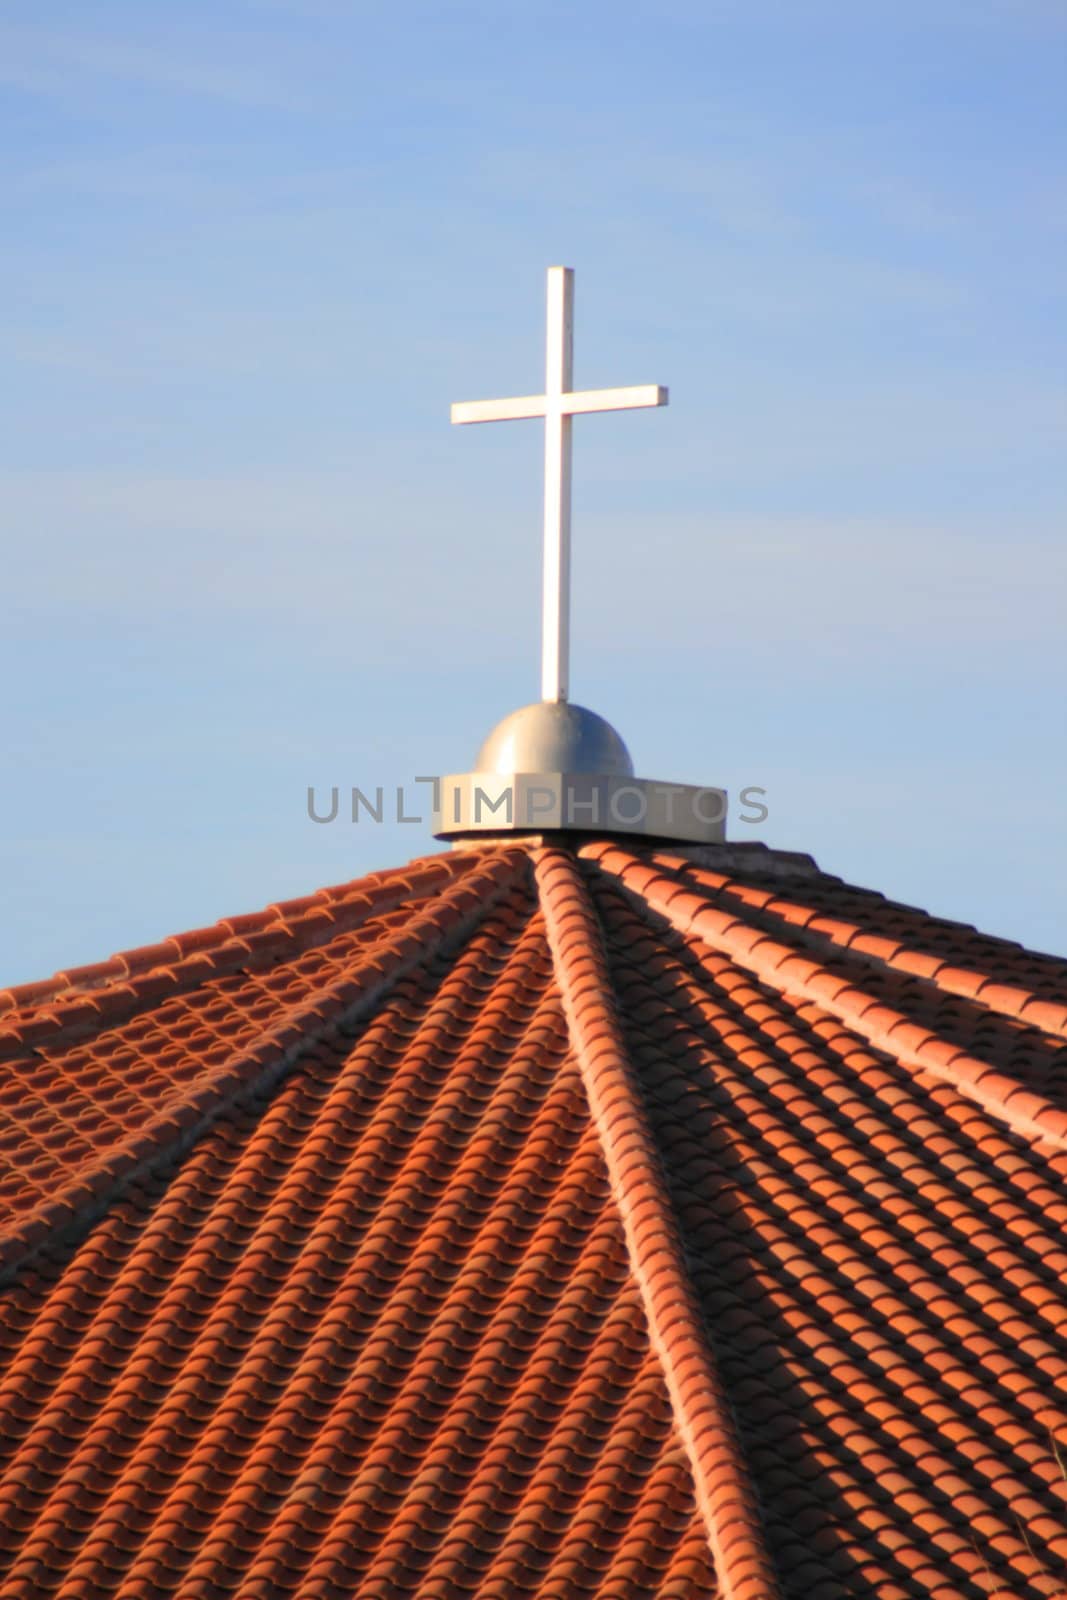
<point>252,251</point>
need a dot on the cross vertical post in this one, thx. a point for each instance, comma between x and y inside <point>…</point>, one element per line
<point>559,380</point>
<point>559,405</point>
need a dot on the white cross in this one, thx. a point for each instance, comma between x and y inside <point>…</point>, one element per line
<point>558,405</point>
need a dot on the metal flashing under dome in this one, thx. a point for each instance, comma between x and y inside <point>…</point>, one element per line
<point>555,766</point>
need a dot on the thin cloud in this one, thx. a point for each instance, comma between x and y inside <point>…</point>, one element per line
<point>307,546</point>
<point>53,62</point>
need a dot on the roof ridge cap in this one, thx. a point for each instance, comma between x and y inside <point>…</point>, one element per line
<point>259,1066</point>
<point>754,855</point>
<point>332,910</point>
<point>723,1485</point>
<point>951,976</point>
<point>1026,1113</point>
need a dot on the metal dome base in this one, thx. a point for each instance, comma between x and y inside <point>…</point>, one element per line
<point>557,767</point>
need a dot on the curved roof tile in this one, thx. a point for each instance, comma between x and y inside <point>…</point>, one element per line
<point>530,1222</point>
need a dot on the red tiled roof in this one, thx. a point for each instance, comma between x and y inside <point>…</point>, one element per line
<point>526,1222</point>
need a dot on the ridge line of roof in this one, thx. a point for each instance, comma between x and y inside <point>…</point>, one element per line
<point>819,928</point>
<point>444,923</point>
<point>115,990</point>
<point>724,1490</point>
<point>1025,1112</point>
<point>692,1006</point>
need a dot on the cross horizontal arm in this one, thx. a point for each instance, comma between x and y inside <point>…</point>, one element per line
<point>536,405</point>
<point>632,399</point>
<point>559,405</point>
<point>524,405</point>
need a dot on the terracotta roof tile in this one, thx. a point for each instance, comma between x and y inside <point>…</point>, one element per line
<point>524,1223</point>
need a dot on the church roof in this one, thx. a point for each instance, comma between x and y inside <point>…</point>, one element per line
<point>539,1221</point>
